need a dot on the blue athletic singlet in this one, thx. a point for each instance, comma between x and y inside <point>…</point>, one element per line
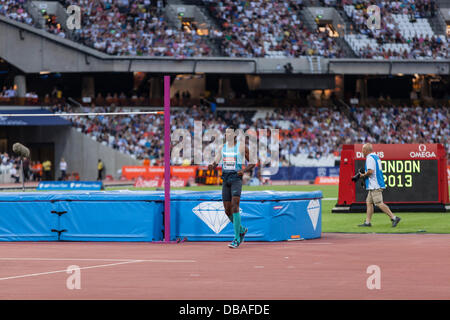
<point>231,158</point>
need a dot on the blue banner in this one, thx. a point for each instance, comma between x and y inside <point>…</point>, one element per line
<point>31,121</point>
<point>70,185</point>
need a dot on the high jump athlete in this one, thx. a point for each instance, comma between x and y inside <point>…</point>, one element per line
<point>232,159</point>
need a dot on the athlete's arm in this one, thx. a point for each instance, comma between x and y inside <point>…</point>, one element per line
<point>248,168</point>
<point>216,161</point>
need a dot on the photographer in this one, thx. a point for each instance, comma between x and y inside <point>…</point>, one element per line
<point>374,182</point>
<point>15,174</point>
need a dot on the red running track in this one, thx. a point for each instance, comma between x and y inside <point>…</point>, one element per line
<point>413,266</point>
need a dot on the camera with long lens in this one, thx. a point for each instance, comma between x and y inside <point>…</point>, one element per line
<point>357,176</point>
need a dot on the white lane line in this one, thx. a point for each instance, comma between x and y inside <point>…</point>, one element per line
<point>87,259</point>
<point>122,261</point>
<point>65,270</point>
<point>329,199</point>
<point>169,261</point>
<point>62,259</point>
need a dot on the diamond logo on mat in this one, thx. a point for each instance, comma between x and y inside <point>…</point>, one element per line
<point>213,214</point>
<point>313,212</point>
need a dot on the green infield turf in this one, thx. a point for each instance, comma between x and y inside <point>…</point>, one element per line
<point>412,222</point>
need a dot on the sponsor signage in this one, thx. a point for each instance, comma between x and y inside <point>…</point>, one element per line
<point>157,183</point>
<point>413,174</point>
<point>70,185</point>
<point>403,151</point>
<point>150,173</point>
<point>327,180</point>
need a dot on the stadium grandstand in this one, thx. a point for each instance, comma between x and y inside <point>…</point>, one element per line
<point>409,29</point>
<point>315,70</point>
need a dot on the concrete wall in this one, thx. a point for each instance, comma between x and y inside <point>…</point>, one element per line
<point>370,66</point>
<point>446,14</point>
<point>80,151</point>
<point>50,6</point>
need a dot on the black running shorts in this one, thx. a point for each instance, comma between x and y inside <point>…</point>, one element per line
<point>232,185</point>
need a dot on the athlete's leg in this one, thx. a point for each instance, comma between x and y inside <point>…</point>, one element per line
<point>227,205</point>
<point>233,190</point>
<point>236,217</point>
<point>228,210</point>
<point>236,190</point>
<point>230,207</point>
<point>226,198</point>
<point>235,204</point>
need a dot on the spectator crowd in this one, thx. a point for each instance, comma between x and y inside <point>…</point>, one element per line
<point>403,31</point>
<point>134,28</point>
<point>7,92</point>
<point>259,28</point>
<point>315,132</point>
<point>10,169</point>
<point>140,28</point>
<point>15,9</point>
<point>8,95</point>
<point>405,124</point>
<point>140,135</point>
<point>268,29</point>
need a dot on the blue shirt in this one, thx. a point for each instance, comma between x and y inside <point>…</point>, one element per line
<point>376,179</point>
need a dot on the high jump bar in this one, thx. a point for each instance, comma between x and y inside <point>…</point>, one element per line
<point>65,114</point>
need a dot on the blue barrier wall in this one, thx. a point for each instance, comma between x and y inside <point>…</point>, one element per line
<point>269,216</point>
<point>81,216</point>
<point>138,216</point>
<point>24,221</point>
<point>112,221</point>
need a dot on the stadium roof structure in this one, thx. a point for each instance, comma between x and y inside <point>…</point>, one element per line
<point>18,43</point>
